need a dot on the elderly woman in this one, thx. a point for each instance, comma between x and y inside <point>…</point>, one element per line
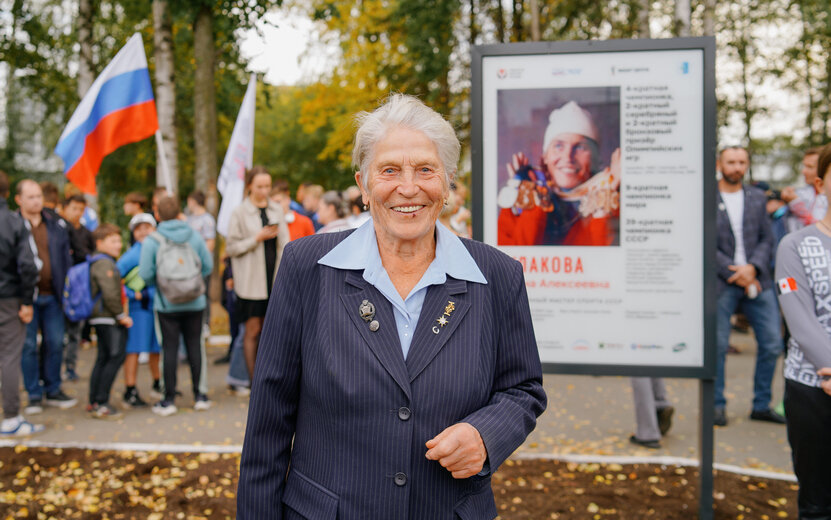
<point>398,366</point>
<point>257,233</point>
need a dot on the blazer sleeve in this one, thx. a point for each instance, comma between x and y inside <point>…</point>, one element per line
<point>272,412</point>
<point>760,258</point>
<point>517,395</point>
<point>239,242</point>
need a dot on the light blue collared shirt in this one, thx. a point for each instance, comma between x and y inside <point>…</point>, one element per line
<point>360,251</point>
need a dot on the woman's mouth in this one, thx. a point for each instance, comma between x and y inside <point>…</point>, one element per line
<point>407,209</point>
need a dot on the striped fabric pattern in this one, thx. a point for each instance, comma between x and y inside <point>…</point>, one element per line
<point>338,420</point>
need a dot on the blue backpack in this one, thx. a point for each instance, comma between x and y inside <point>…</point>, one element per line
<point>77,291</point>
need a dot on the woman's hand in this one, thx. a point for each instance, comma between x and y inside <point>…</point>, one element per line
<point>267,233</point>
<point>825,373</point>
<point>459,449</point>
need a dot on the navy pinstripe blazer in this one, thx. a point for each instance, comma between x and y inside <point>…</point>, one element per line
<point>756,233</point>
<point>359,414</point>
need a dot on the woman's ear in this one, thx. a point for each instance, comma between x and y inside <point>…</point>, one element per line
<point>360,183</point>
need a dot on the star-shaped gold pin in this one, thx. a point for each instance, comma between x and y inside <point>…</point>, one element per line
<point>442,321</point>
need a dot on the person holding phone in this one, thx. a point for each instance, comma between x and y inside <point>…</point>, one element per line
<point>257,234</point>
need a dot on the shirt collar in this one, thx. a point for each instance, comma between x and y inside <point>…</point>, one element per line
<point>359,251</point>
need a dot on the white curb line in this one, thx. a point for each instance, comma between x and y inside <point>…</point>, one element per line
<point>663,460</point>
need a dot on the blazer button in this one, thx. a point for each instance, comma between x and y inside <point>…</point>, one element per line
<point>400,479</point>
<point>404,413</point>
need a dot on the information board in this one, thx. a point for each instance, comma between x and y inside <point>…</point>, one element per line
<point>594,168</point>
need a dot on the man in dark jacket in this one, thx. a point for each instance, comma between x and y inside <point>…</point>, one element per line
<point>744,245</point>
<point>18,276</point>
<point>51,242</point>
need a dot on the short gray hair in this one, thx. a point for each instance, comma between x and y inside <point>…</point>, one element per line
<point>401,110</point>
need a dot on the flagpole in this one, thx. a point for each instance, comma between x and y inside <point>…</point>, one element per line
<point>163,159</point>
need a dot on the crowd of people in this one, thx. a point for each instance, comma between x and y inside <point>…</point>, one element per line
<point>148,300</point>
<point>151,301</point>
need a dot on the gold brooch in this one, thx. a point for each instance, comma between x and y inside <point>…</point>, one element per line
<point>444,318</point>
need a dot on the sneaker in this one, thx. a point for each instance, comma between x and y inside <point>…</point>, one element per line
<point>70,375</point>
<point>34,407</point>
<point>19,427</point>
<point>720,418</point>
<point>106,411</point>
<point>91,407</point>
<point>164,408</point>
<point>239,391</point>
<point>132,398</point>
<point>767,416</point>
<point>60,400</point>
<point>202,403</point>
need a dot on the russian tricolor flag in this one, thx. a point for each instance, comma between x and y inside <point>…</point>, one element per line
<point>118,109</point>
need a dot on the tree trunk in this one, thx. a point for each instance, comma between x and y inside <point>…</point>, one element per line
<point>682,17</point>
<point>12,116</point>
<point>499,20</point>
<point>165,92</point>
<point>810,117</point>
<point>535,20</point>
<point>204,101</point>
<point>643,19</point>
<point>709,18</point>
<point>86,74</point>
<point>474,30</point>
<point>517,34</point>
<point>746,108</point>
<point>826,112</point>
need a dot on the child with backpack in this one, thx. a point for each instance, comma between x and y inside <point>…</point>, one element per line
<point>109,317</point>
<point>142,335</point>
<point>175,260</point>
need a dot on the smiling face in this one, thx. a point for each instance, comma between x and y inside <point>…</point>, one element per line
<point>568,159</point>
<point>406,188</point>
<point>142,231</point>
<point>110,245</point>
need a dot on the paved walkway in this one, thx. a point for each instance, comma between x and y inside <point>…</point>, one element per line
<point>586,415</point>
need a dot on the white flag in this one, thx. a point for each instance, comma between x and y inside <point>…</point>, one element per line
<point>238,158</point>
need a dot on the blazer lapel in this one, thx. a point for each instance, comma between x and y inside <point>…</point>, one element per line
<point>430,335</point>
<point>722,215</point>
<point>384,342</point>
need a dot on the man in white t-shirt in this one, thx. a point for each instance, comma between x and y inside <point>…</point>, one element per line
<point>743,252</point>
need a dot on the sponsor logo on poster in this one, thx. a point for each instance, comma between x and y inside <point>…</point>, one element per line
<point>580,344</point>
